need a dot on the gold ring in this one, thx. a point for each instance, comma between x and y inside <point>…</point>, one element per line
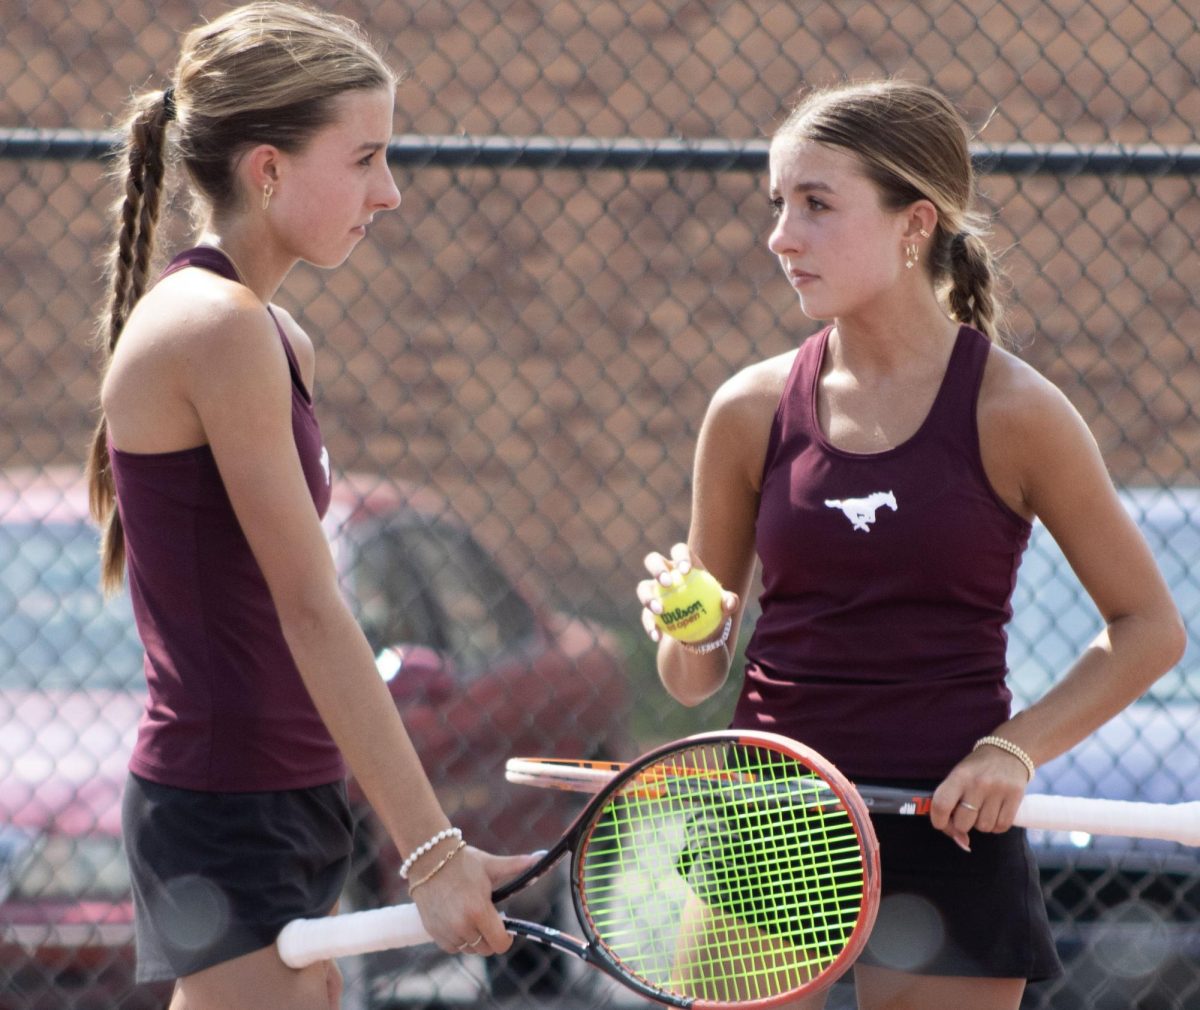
<point>969,806</point>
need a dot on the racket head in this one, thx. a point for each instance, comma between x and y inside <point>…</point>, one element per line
<point>729,869</point>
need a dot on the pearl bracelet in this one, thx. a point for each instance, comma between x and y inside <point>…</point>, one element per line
<point>420,850</point>
<point>707,647</point>
<point>1009,747</point>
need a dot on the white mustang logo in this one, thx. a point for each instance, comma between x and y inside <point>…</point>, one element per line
<point>861,511</point>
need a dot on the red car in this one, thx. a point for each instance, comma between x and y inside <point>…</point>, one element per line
<point>480,668</point>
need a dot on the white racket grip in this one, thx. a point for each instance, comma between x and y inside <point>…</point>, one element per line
<point>1173,822</point>
<point>306,941</point>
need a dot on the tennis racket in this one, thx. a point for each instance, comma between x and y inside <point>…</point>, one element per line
<point>1173,822</point>
<point>752,880</point>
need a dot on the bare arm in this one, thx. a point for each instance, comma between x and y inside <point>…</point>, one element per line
<point>728,467</point>
<point>244,406</point>
<point>1044,461</point>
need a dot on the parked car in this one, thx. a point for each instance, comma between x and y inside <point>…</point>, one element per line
<point>479,665</point>
<point>1126,913</point>
<point>70,696</point>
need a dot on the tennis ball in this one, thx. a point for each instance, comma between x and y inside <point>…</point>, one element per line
<point>691,606</point>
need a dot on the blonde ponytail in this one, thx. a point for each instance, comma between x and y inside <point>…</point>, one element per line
<point>129,266</point>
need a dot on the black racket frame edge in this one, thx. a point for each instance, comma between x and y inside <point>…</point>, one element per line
<point>595,953</point>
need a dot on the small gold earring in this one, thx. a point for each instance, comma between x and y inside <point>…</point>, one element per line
<point>911,256</point>
<point>268,192</point>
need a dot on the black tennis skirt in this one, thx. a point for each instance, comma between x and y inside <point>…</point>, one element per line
<point>218,875</point>
<point>942,912</point>
<point>947,912</point>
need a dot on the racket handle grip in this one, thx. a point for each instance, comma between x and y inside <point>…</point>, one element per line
<point>1173,822</point>
<point>306,941</point>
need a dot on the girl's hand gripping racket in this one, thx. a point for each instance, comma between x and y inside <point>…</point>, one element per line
<point>1173,822</point>
<point>751,881</point>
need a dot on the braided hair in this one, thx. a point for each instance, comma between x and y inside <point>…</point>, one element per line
<point>265,73</point>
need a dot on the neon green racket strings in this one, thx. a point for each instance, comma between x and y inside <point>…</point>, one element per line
<point>723,886</point>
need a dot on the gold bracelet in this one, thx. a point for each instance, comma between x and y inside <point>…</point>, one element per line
<point>1009,747</point>
<point>445,859</point>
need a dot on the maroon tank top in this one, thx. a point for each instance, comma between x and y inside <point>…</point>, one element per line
<point>227,710</point>
<point>887,583</point>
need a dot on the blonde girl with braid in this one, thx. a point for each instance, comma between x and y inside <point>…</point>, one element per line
<point>209,477</point>
<point>885,474</point>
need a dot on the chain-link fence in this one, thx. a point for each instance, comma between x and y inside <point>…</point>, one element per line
<point>531,340</point>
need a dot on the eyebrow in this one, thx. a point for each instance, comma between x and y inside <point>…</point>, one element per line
<point>806,187</point>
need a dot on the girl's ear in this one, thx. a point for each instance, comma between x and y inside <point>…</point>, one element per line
<point>922,219</point>
<point>260,167</point>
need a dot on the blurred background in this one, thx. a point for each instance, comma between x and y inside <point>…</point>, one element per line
<point>511,374</point>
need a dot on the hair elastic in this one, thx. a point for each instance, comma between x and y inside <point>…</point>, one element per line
<point>168,103</point>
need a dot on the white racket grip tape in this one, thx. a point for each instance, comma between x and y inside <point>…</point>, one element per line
<point>1173,822</point>
<point>306,941</point>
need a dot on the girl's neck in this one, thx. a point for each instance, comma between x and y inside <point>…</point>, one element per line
<point>897,347</point>
<point>251,269</point>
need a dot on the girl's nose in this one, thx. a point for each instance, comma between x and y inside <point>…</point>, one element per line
<point>781,241</point>
<point>389,198</point>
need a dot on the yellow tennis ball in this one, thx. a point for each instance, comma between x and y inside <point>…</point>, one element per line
<point>691,606</point>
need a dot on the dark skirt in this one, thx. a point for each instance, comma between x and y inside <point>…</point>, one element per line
<point>948,912</point>
<point>942,911</point>
<point>218,875</point>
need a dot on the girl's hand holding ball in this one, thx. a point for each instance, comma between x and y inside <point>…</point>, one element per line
<point>682,600</point>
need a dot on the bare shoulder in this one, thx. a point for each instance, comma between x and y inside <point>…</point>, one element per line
<point>182,327</point>
<point>1032,439</point>
<point>197,309</point>
<point>1018,400</point>
<point>193,337</point>
<point>751,396</point>
<point>218,316</point>
<point>737,427</point>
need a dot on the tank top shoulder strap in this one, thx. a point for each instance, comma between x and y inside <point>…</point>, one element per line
<point>796,405</point>
<point>206,257</point>
<point>292,360</point>
<point>794,410</point>
<point>959,393</point>
<point>806,373</point>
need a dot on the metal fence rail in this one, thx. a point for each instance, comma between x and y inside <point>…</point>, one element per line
<point>531,340</point>
<point>633,154</point>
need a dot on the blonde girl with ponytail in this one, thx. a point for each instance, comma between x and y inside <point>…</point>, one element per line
<point>209,475</point>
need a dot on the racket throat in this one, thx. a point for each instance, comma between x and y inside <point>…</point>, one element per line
<point>550,937</point>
